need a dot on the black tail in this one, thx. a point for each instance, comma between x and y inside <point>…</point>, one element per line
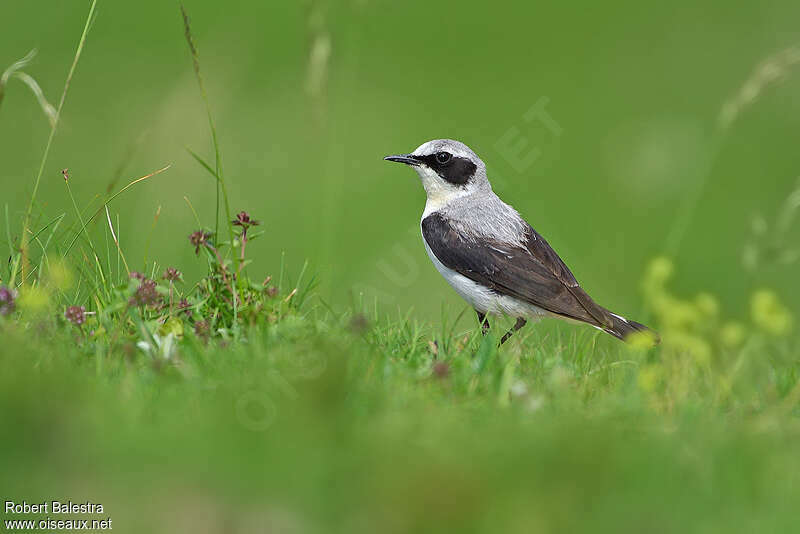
<point>601,318</point>
<point>621,328</point>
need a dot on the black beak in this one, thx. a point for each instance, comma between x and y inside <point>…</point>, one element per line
<point>408,159</point>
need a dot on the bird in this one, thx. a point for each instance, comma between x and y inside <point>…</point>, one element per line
<point>490,255</point>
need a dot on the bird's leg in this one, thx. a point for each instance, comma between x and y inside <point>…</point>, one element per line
<point>484,322</point>
<point>519,324</point>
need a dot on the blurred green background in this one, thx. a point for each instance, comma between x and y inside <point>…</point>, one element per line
<point>671,130</point>
<point>308,97</point>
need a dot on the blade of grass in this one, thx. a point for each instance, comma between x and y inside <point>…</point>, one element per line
<point>196,218</point>
<point>8,233</point>
<point>109,199</point>
<point>280,274</point>
<point>46,244</point>
<point>116,241</point>
<point>46,226</point>
<point>85,210</point>
<point>12,277</point>
<point>236,259</point>
<point>119,231</point>
<point>47,108</point>
<point>83,226</point>
<point>216,175</point>
<point>150,234</point>
<point>26,221</point>
<point>217,156</point>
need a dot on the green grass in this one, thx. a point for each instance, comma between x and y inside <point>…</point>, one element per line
<point>247,397</point>
<point>319,423</point>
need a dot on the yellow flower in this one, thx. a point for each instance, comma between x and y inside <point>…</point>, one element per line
<point>769,314</point>
<point>660,269</point>
<point>34,301</point>
<point>173,325</point>
<point>658,272</point>
<point>681,341</point>
<point>707,304</point>
<point>641,341</point>
<point>649,377</point>
<point>732,334</point>
<point>59,275</point>
<point>676,313</point>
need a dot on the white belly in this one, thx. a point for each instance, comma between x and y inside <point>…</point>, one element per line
<point>482,298</point>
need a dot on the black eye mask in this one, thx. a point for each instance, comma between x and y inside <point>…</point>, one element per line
<point>453,169</point>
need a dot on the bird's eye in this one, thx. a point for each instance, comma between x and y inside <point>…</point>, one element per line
<point>442,157</point>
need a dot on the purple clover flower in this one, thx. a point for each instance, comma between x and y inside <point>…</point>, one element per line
<point>146,295</point>
<point>199,239</point>
<point>243,219</point>
<point>172,274</point>
<point>76,315</point>
<point>7,300</point>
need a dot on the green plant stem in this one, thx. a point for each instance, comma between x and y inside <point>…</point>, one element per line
<point>108,201</point>
<point>217,157</point>
<point>83,227</point>
<point>230,223</point>
<point>29,211</point>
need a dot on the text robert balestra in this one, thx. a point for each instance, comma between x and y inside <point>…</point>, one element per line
<point>53,507</point>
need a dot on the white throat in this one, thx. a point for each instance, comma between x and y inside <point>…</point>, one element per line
<point>439,192</point>
<point>440,201</point>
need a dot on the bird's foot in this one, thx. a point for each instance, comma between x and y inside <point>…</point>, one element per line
<point>519,324</point>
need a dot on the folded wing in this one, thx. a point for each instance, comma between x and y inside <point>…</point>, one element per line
<point>532,273</point>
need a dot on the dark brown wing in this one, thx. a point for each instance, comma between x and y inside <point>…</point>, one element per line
<point>534,274</point>
<point>544,253</point>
